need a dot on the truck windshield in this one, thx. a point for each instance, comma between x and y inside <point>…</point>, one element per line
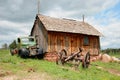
<point>27,40</point>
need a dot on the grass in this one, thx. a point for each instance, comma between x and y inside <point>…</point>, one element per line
<point>21,67</point>
<point>111,65</point>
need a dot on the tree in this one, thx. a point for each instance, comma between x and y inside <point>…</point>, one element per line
<point>5,46</point>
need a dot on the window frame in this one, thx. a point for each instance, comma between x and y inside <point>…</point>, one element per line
<point>86,41</point>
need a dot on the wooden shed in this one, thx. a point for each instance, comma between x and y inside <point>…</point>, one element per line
<point>54,34</point>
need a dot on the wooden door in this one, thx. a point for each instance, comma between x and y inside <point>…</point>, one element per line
<point>73,44</point>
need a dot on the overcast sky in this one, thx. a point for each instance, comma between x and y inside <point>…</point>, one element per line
<point>17,17</point>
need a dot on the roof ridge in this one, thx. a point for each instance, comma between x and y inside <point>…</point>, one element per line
<point>68,25</point>
<point>69,19</point>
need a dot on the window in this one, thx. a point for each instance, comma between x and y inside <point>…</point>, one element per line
<point>86,40</point>
<point>18,40</point>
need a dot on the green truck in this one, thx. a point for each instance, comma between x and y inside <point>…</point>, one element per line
<point>25,47</point>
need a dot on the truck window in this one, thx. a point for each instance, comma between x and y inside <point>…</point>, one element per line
<point>31,39</point>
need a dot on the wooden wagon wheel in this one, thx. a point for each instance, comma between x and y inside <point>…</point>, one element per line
<point>61,57</point>
<point>86,60</point>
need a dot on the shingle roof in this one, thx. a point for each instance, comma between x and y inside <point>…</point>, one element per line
<point>68,25</point>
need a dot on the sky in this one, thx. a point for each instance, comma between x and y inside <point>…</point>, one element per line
<point>17,17</point>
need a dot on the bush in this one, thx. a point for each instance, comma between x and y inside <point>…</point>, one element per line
<point>111,51</point>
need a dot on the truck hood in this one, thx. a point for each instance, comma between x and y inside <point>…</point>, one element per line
<point>28,44</point>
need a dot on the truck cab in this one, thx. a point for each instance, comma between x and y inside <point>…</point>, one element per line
<point>27,47</point>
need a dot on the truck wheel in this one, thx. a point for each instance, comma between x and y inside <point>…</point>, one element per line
<point>24,53</point>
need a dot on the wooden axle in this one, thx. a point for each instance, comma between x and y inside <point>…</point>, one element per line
<point>63,58</point>
<point>73,55</point>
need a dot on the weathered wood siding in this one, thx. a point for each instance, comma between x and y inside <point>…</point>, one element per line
<point>41,34</point>
<point>71,42</point>
<point>50,41</point>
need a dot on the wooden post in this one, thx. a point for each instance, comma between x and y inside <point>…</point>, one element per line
<point>38,6</point>
<point>83,18</point>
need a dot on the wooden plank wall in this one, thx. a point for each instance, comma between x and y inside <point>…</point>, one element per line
<point>41,34</point>
<point>71,42</point>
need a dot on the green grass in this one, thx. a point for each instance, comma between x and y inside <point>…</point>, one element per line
<point>111,65</point>
<point>20,66</point>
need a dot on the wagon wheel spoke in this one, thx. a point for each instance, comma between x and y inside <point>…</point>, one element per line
<point>86,60</point>
<point>61,57</point>
<point>59,60</point>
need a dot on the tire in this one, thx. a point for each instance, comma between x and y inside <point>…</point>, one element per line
<point>40,53</point>
<point>24,53</point>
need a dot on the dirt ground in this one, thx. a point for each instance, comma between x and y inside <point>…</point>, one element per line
<point>112,71</point>
<point>7,75</point>
<point>33,75</point>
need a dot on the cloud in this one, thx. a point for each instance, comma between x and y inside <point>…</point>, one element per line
<point>58,12</point>
<point>80,7</point>
<point>112,35</point>
<point>9,31</point>
<point>17,17</point>
<point>14,27</point>
<point>18,10</point>
<point>109,26</point>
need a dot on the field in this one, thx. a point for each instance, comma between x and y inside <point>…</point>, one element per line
<point>15,68</point>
